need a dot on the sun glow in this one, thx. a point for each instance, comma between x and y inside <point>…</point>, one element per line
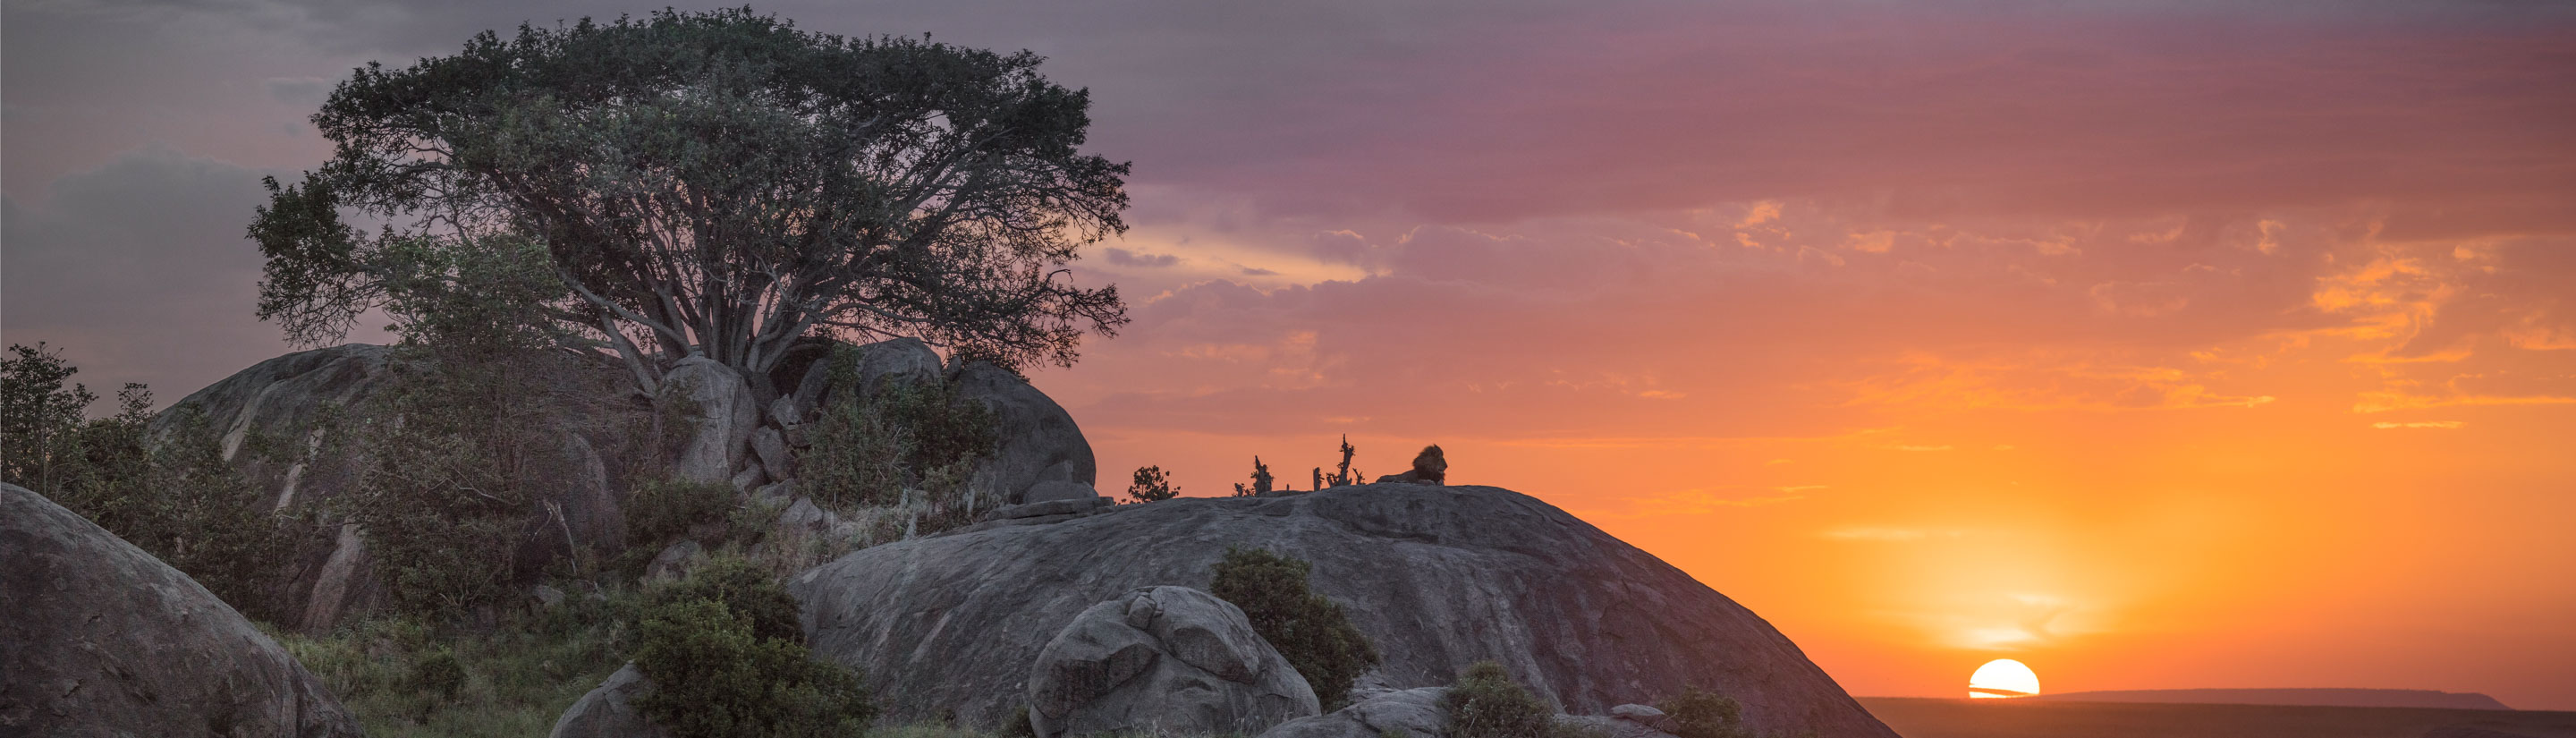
<point>2003,678</point>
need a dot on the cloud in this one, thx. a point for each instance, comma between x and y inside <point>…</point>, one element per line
<point>139,271</point>
<point>2437,424</point>
<point>1122,257</point>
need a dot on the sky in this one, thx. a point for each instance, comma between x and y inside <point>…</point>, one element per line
<point>2155,345</point>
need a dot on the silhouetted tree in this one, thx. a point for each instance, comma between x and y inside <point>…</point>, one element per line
<point>1261,480</point>
<point>1152,485</point>
<point>711,183</point>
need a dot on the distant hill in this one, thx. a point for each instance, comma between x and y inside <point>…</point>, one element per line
<point>2316,697</point>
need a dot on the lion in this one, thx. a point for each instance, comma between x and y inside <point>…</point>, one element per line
<point>1429,467</point>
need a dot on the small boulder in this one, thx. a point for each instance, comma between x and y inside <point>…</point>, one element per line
<point>547,596</point>
<point>1165,659</point>
<point>674,562</point>
<point>609,711</point>
<point>771,447</point>
<point>1645,715</point>
<point>1410,713</point>
<point>719,413</point>
<point>880,365</point>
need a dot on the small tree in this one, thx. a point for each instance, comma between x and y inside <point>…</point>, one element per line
<point>1261,480</point>
<point>1344,474</point>
<point>1308,629</point>
<point>1486,703</point>
<point>1152,485</point>
<point>1699,713</point>
<point>714,183</point>
<point>37,413</point>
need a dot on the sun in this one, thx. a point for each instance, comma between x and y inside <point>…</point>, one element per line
<point>2003,678</point>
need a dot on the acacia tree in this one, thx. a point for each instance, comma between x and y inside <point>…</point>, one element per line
<point>712,184</point>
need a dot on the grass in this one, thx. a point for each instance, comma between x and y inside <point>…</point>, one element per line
<point>518,677</point>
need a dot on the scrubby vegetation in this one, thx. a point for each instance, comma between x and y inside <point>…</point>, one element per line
<point>406,676</point>
<point>174,497</point>
<point>1308,629</point>
<point>1699,713</point>
<point>726,658</point>
<point>1151,485</point>
<point>1486,703</point>
<point>902,445</point>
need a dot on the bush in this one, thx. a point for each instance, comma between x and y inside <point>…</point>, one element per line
<point>1152,485</point>
<point>1698,713</point>
<point>1308,629</point>
<point>743,588</point>
<point>439,674</point>
<point>871,448</point>
<point>664,509</point>
<point>1486,703</point>
<point>713,675</point>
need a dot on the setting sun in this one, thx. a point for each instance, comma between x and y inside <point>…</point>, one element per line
<point>2003,678</point>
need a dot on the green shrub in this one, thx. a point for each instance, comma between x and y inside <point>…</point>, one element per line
<point>870,447</point>
<point>1152,485</point>
<point>713,675</point>
<point>439,674</point>
<point>664,509</point>
<point>742,587</point>
<point>1486,703</point>
<point>1698,713</point>
<point>1308,629</point>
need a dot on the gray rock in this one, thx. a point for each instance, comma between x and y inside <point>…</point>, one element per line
<point>1075,506</point>
<point>346,584</point>
<point>547,596</point>
<point>674,561</point>
<point>720,419</point>
<point>102,639</point>
<point>1162,660</point>
<point>1039,440</point>
<point>609,711</point>
<point>880,364</point>
<point>750,478</point>
<point>771,447</point>
<point>1410,713</point>
<point>1052,490</point>
<point>1645,715</point>
<point>803,513</point>
<point>784,413</point>
<point>1438,577</point>
<point>288,398</point>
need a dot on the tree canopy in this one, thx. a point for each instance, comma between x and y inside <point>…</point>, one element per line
<point>707,183</point>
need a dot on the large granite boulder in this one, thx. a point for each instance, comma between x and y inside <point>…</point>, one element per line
<point>1438,577</point>
<point>99,638</point>
<point>271,418</point>
<point>717,409</point>
<point>1167,661</point>
<point>1039,440</point>
<point>609,710</point>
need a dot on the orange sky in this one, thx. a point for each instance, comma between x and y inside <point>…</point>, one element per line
<point>2154,344</point>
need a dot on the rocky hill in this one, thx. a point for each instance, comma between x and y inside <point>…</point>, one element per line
<point>1438,577</point>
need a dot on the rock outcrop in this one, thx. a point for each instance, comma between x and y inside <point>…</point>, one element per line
<point>287,401</point>
<point>1039,441</point>
<point>1437,577</point>
<point>609,710</point>
<point>1165,661</point>
<point>102,639</point>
